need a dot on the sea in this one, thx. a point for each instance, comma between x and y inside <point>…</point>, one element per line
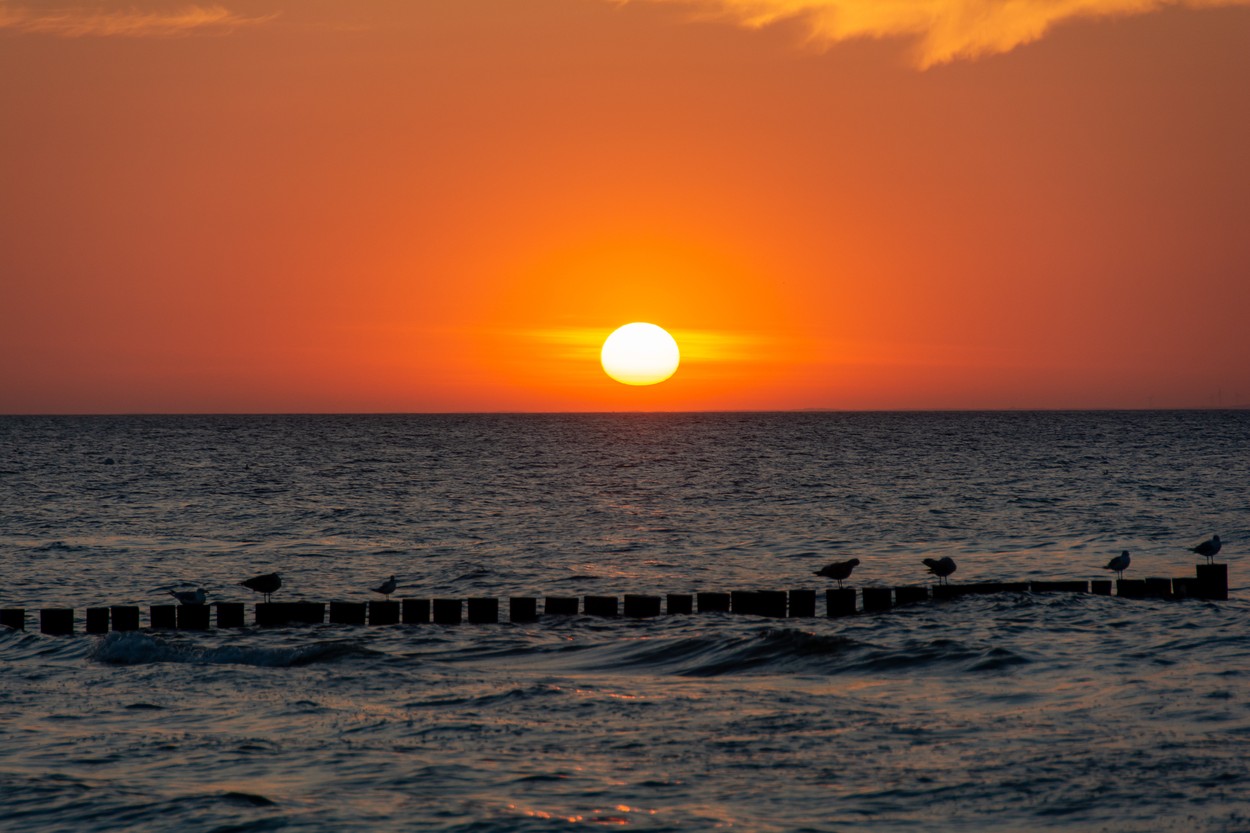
<point>1004,712</point>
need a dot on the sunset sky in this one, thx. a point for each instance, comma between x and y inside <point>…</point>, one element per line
<point>447,205</point>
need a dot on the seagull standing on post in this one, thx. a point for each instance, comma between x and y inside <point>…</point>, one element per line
<point>1119,564</point>
<point>838,570</point>
<point>266,584</point>
<point>387,588</point>
<point>190,597</point>
<point>941,567</point>
<point>1207,549</point>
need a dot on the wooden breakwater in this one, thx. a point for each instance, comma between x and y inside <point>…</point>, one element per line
<point>1210,582</point>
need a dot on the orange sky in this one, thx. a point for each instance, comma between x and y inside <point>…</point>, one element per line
<point>447,205</point>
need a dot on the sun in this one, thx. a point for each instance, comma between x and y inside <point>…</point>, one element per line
<point>640,354</point>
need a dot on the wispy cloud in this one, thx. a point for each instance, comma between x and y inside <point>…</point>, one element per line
<point>84,21</point>
<point>944,30</point>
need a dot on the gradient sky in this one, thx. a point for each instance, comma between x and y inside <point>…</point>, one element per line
<point>447,205</point>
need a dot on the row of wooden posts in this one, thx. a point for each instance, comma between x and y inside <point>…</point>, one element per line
<point>1211,583</point>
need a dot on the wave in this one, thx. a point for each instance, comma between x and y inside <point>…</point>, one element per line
<point>58,546</point>
<point>17,646</point>
<point>136,648</point>
<point>790,651</point>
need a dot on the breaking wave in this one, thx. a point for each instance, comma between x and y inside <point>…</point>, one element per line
<point>781,650</point>
<point>136,648</point>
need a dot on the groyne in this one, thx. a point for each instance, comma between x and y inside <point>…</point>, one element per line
<point>1210,582</point>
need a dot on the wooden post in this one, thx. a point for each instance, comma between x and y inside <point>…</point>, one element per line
<point>911,594</point>
<point>1059,586</point>
<point>945,592</point>
<point>1159,588</point>
<point>1100,587</point>
<point>802,604</point>
<point>745,602</point>
<point>771,603</point>
<point>981,588</point>
<point>679,604</point>
<point>163,617</point>
<point>56,621</point>
<point>13,617</point>
<point>1213,581</point>
<point>448,611</point>
<point>229,615</point>
<point>840,601</point>
<point>484,611</point>
<point>97,620</point>
<point>639,607</point>
<point>713,602</point>
<point>308,613</point>
<point>599,606</point>
<point>522,609</point>
<point>192,617</point>
<point>270,614</point>
<point>349,613</point>
<point>277,614</point>
<point>124,617</point>
<point>560,606</point>
<point>383,612</point>
<point>1186,588</point>
<point>1131,588</point>
<point>415,611</point>
<point>878,598</point>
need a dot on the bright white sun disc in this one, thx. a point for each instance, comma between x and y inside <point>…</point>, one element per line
<point>640,354</point>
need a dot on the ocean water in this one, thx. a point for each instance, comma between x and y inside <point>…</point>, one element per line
<point>1006,712</point>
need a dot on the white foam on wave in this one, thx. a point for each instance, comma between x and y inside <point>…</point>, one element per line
<point>135,648</point>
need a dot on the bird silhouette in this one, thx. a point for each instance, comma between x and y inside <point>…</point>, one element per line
<point>190,597</point>
<point>1207,549</point>
<point>387,587</point>
<point>266,584</point>
<point>1119,564</point>
<point>838,570</point>
<point>941,567</point>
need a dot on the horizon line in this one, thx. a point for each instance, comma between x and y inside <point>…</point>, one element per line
<point>1230,408</point>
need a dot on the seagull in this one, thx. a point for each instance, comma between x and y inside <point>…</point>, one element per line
<point>838,570</point>
<point>1119,564</point>
<point>941,567</point>
<point>266,584</point>
<point>190,597</point>
<point>1207,549</point>
<point>387,587</point>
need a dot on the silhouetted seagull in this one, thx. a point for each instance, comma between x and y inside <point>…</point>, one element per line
<point>838,570</point>
<point>941,567</point>
<point>1119,564</point>
<point>266,584</point>
<point>1207,549</point>
<point>190,597</point>
<point>387,587</point>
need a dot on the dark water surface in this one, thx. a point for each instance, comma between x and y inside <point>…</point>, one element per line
<point>1011,712</point>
